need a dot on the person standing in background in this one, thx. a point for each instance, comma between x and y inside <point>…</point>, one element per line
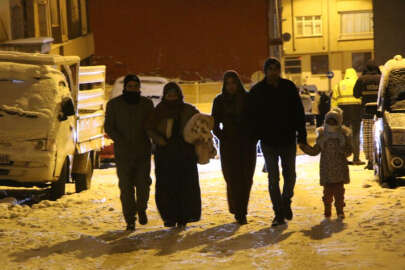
<point>125,120</point>
<point>343,97</point>
<point>238,150</point>
<point>366,88</point>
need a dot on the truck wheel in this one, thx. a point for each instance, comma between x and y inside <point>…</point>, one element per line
<point>83,181</point>
<point>58,187</point>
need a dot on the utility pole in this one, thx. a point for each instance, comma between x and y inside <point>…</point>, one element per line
<point>274,24</point>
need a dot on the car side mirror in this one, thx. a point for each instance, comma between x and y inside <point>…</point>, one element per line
<point>68,109</point>
<point>371,108</point>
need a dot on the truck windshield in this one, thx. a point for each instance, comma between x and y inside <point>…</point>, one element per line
<point>26,98</point>
<point>395,92</point>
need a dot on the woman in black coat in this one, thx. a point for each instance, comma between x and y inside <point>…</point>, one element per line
<point>177,194</point>
<point>237,149</point>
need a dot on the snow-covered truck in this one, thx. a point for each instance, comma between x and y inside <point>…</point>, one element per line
<point>51,120</point>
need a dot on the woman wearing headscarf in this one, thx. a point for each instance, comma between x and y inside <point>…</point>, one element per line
<point>178,197</point>
<point>237,149</point>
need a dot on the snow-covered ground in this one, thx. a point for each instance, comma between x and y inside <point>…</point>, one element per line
<point>85,231</point>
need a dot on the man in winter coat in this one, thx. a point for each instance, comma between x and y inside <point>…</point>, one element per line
<point>366,88</point>
<point>344,98</point>
<point>125,121</point>
<point>277,117</point>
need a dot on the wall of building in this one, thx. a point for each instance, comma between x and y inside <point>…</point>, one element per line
<point>389,29</point>
<point>191,40</point>
<point>22,19</point>
<point>329,42</point>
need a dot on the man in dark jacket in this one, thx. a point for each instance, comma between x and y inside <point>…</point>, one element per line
<point>125,121</point>
<point>278,119</point>
<point>366,88</point>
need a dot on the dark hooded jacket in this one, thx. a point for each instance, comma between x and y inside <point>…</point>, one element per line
<point>276,114</point>
<point>367,86</point>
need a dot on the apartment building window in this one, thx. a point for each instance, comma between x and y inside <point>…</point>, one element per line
<point>319,64</point>
<point>308,26</point>
<point>359,60</point>
<point>292,65</point>
<point>356,24</point>
<point>22,19</point>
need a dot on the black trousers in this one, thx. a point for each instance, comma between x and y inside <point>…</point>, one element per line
<point>272,156</point>
<point>352,119</point>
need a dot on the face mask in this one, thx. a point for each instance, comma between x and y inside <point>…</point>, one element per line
<point>132,97</point>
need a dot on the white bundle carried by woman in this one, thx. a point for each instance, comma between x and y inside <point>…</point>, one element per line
<point>198,132</point>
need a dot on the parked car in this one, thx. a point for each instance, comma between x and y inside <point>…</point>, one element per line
<point>389,128</point>
<point>51,119</point>
<point>151,87</point>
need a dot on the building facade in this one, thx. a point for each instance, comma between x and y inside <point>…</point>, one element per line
<point>66,21</point>
<point>325,35</point>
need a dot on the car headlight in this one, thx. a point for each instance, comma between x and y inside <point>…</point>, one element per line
<point>398,138</point>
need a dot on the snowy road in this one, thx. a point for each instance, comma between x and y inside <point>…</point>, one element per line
<point>84,231</point>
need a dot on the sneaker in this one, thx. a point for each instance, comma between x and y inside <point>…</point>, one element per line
<point>277,222</point>
<point>143,218</point>
<point>131,227</point>
<point>288,213</point>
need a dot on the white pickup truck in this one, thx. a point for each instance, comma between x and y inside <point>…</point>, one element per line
<point>51,120</point>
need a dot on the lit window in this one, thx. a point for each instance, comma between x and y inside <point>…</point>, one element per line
<point>308,26</point>
<point>356,24</point>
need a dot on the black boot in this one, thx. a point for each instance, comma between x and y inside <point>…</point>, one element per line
<point>170,224</point>
<point>288,213</point>
<point>143,218</point>
<point>181,225</point>
<point>277,221</point>
<point>131,227</point>
<point>241,219</point>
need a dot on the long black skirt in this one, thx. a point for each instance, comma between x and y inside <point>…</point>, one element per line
<point>238,160</point>
<point>178,196</point>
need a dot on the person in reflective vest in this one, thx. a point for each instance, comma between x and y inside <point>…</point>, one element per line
<point>344,98</point>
